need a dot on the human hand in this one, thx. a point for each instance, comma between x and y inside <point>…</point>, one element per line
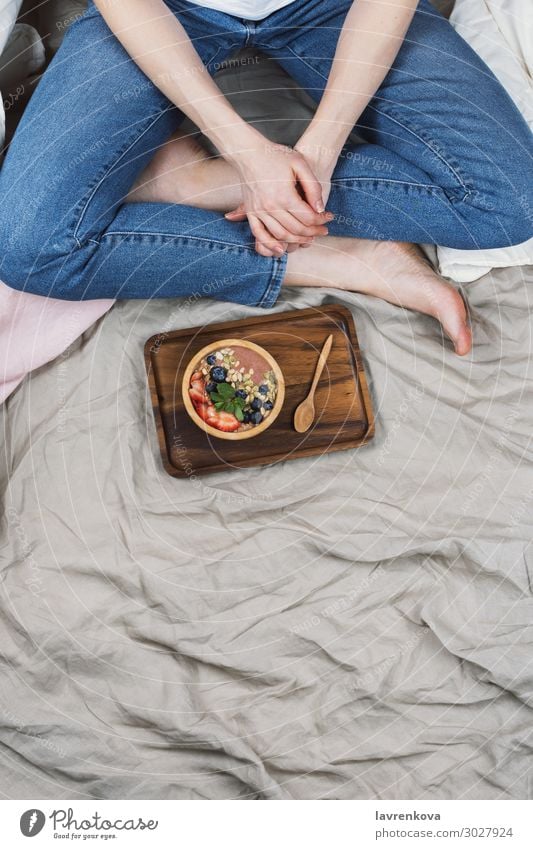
<point>282,199</point>
<point>321,165</point>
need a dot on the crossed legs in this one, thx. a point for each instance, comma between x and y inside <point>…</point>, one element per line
<point>182,172</point>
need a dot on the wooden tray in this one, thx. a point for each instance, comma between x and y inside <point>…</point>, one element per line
<point>342,401</point>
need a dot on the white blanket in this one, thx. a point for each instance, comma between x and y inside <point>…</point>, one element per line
<point>501,32</point>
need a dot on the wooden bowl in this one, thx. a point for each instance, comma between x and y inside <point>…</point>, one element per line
<point>236,435</point>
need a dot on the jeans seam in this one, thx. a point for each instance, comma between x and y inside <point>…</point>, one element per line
<point>341,182</point>
<point>250,32</point>
<point>175,237</point>
<point>211,61</point>
<point>279,267</point>
<point>86,202</point>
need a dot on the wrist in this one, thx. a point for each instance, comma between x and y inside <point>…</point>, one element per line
<point>237,140</point>
<point>318,146</point>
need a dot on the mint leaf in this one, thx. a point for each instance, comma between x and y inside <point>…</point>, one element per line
<point>239,415</point>
<point>225,390</point>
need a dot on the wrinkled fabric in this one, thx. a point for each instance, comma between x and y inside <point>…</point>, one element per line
<point>356,625</point>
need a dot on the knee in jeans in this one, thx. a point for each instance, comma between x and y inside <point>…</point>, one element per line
<point>513,224</point>
<point>521,224</point>
<point>32,261</point>
<point>17,255</point>
<point>501,222</point>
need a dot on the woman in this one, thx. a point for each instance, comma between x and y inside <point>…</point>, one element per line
<point>101,198</point>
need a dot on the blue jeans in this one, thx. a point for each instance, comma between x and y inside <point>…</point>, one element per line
<point>446,159</point>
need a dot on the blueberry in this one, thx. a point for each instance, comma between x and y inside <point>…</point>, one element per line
<point>256,404</point>
<point>247,417</point>
<point>218,374</point>
<point>211,386</point>
<point>256,418</point>
<point>263,389</point>
<point>241,393</point>
<point>211,359</point>
<point>268,405</point>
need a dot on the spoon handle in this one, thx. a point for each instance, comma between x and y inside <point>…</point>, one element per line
<point>322,359</point>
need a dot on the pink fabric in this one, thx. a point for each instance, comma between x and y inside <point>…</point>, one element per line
<point>35,330</point>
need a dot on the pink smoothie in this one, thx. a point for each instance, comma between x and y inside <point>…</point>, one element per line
<point>251,360</point>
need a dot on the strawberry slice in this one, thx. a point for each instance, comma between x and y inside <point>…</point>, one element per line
<point>198,394</point>
<point>205,411</point>
<point>221,420</point>
<point>197,389</point>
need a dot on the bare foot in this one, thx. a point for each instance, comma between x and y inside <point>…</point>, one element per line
<point>182,171</point>
<point>395,271</point>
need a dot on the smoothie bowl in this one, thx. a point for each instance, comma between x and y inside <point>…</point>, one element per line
<point>233,389</point>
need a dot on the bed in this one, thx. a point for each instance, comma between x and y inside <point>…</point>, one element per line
<point>357,625</point>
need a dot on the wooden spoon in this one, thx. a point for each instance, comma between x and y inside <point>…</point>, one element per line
<point>305,412</point>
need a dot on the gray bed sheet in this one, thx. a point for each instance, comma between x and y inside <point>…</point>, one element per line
<point>357,625</point>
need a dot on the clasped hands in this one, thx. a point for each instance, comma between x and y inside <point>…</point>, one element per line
<point>284,195</point>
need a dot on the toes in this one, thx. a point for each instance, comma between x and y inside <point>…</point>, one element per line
<point>452,314</point>
<point>463,342</point>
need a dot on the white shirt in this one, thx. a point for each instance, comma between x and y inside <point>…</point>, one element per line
<point>250,10</point>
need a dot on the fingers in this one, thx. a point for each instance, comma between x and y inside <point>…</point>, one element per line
<point>288,230</point>
<point>266,241</point>
<point>238,214</point>
<point>301,210</point>
<point>268,248</point>
<point>274,236</point>
<point>293,225</point>
<point>310,185</point>
<point>281,233</point>
<point>262,250</point>
<point>285,239</point>
<point>299,219</point>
